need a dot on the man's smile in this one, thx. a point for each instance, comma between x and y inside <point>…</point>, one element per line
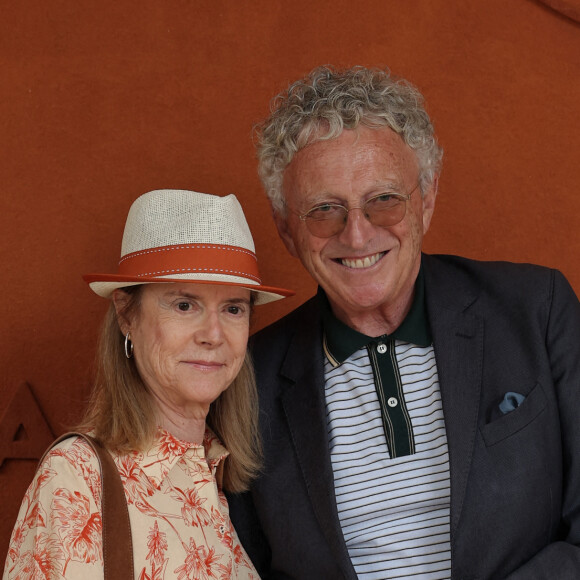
<point>363,262</point>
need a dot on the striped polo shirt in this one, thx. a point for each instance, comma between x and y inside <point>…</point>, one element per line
<point>388,447</point>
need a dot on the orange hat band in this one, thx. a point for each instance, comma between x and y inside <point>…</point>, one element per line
<point>182,259</point>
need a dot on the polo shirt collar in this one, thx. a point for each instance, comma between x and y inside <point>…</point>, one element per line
<point>341,341</point>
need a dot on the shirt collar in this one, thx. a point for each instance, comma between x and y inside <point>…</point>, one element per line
<point>167,450</point>
<point>340,341</point>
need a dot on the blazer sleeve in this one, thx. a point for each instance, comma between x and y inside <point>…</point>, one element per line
<point>249,530</point>
<point>562,559</point>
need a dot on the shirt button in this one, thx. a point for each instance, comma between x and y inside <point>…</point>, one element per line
<point>392,402</point>
<point>382,348</point>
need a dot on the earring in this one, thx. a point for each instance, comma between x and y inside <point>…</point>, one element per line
<point>128,345</point>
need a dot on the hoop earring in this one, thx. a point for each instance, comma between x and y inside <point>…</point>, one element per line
<point>128,345</point>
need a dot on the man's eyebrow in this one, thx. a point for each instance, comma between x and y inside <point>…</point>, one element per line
<point>328,196</point>
<point>388,184</point>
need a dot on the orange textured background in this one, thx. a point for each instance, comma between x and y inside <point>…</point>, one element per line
<point>103,101</point>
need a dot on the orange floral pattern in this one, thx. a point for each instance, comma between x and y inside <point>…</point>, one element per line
<point>179,516</point>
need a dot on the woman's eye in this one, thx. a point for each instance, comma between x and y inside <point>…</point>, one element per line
<point>184,306</point>
<point>234,309</point>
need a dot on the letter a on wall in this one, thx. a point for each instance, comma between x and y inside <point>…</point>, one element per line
<point>24,432</point>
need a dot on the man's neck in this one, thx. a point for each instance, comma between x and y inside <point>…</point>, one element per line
<point>377,321</point>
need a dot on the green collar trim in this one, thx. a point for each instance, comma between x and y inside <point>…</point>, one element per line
<point>340,341</point>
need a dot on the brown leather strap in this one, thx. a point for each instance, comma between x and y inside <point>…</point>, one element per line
<point>117,543</point>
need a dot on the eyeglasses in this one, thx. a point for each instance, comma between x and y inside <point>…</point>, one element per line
<point>384,210</point>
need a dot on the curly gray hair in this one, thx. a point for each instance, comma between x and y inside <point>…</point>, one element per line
<point>321,105</point>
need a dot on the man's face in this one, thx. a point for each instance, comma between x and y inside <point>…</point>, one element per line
<point>364,268</point>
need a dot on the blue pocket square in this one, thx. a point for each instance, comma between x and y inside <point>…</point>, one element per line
<point>511,402</point>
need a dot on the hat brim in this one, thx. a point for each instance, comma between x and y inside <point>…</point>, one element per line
<point>105,284</point>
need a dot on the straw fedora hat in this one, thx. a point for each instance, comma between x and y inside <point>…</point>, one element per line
<point>185,236</point>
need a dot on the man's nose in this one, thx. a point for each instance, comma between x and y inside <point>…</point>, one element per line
<point>357,230</point>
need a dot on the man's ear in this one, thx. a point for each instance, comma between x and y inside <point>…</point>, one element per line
<point>120,300</point>
<point>284,232</point>
<point>429,203</point>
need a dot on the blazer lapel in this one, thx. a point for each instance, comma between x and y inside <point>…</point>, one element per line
<point>305,410</point>
<point>458,344</point>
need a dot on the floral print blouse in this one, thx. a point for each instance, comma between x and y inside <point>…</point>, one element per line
<point>180,523</point>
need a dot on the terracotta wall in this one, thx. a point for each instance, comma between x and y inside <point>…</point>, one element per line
<point>103,101</point>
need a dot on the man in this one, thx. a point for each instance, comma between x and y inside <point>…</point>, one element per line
<point>420,416</point>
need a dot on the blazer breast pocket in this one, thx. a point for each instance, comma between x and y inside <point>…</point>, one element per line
<point>514,421</point>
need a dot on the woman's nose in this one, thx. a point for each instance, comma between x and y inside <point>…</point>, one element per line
<point>210,329</point>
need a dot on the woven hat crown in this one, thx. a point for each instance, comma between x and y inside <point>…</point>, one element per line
<point>174,217</point>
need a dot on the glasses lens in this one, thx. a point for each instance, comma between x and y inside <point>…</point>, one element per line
<point>385,210</point>
<point>326,221</point>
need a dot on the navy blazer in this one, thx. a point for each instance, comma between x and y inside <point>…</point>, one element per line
<point>515,478</point>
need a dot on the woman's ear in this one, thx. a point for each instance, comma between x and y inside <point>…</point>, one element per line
<point>121,300</point>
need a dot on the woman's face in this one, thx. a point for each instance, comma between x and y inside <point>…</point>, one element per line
<point>189,342</point>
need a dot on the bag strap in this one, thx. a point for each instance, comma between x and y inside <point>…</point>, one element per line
<point>117,542</point>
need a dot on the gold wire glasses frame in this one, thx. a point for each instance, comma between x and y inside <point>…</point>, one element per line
<point>384,210</point>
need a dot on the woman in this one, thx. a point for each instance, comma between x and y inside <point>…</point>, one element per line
<point>174,390</point>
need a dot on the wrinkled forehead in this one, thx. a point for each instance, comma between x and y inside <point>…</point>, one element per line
<point>355,166</point>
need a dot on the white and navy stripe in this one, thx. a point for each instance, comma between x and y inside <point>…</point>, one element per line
<point>394,512</point>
